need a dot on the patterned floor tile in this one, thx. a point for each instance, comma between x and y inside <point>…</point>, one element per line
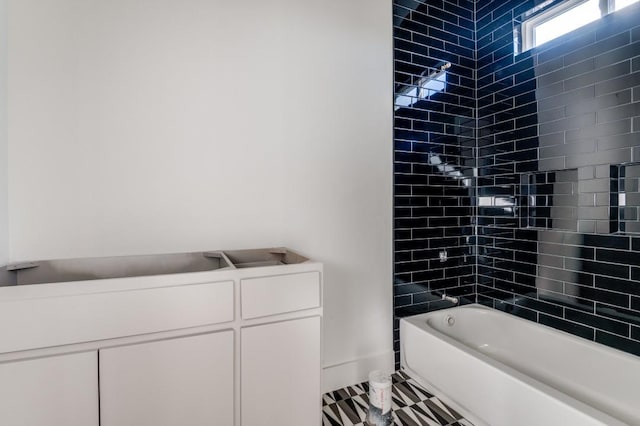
<point>411,406</point>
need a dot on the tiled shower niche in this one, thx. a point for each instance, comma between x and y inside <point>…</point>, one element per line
<point>552,123</point>
<point>625,198</point>
<point>549,200</point>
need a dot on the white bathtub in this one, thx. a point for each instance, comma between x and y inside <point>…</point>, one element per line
<point>501,370</point>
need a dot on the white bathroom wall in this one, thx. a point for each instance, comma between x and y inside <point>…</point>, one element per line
<point>339,168</point>
<point>153,126</point>
<point>4,219</point>
<point>145,126</point>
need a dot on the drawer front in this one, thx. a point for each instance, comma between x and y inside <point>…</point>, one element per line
<point>56,321</point>
<point>266,296</point>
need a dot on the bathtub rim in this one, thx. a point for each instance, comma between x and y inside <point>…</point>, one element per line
<point>419,321</point>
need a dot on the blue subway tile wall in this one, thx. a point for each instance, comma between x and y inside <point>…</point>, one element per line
<point>512,168</point>
<point>551,253</point>
<point>434,154</point>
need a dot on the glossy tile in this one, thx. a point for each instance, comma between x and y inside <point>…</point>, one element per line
<point>545,251</point>
<point>436,137</point>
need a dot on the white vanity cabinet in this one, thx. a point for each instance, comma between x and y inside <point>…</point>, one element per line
<point>183,381</point>
<point>51,391</point>
<point>232,341</point>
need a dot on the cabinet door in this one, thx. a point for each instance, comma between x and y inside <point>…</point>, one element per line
<point>280,369</point>
<point>184,381</point>
<point>56,391</point>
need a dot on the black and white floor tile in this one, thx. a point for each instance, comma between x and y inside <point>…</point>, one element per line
<point>411,406</point>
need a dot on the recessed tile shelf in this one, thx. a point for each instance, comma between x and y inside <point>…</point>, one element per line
<point>549,200</point>
<point>625,198</point>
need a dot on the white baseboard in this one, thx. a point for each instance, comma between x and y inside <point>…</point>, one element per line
<point>357,371</point>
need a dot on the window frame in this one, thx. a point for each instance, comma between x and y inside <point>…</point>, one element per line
<point>525,34</point>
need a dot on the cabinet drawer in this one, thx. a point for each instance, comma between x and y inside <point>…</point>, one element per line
<point>279,294</point>
<point>79,318</point>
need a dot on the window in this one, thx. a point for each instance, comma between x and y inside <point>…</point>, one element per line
<point>553,19</point>
<point>619,4</point>
<point>566,21</point>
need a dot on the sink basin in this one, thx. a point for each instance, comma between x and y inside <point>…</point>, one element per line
<point>263,257</point>
<point>99,268</point>
<point>63,270</point>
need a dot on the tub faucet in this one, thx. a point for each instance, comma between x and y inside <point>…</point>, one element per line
<point>453,300</point>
